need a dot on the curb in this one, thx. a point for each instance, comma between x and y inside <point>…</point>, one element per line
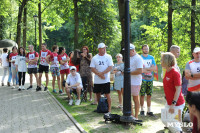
<point>68,114</point>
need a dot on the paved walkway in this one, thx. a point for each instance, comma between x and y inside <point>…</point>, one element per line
<point>33,112</point>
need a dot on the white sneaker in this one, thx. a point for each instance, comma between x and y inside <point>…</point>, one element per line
<point>23,88</point>
<point>20,87</point>
<point>78,102</point>
<point>107,114</point>
<point>13,87</point>
<point>70,101</point>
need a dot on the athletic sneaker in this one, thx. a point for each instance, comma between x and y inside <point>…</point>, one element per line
<point>150,114</point>
<point>70,101</point>
<point>107,114</point>
<point>38,88</point>
<point>54,91</point>
<point>30,87</point>
<point>45,88</point>
<point>2,84</point>
<point>142,113</point>
<point>23,88</point>
<point>19,89</point>
<point>78,102</point>
<point>60,92</point>
<point>13,87</point>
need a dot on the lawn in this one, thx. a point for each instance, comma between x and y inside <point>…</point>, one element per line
<point>94,123</point>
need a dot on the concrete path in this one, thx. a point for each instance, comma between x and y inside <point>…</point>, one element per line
<point>29,111</point>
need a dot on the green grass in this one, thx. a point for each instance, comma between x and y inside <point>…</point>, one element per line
<point>94,123</point>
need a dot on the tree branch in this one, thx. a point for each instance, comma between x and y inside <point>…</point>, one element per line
<point>47,6</point>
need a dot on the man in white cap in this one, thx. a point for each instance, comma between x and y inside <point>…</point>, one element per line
<point>192,71</point>
<point>74,83</point>
<point>101,65</point>
<point>136,66</point>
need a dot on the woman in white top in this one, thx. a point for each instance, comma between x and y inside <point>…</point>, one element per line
<point>21,67</point>
<point>5,64</point>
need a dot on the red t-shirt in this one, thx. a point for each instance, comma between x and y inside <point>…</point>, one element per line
<point>63,57</point>
<point>32,56</point>
<point>195,123</point>
<point>43,55</point>
<point>172,79</point>
<point>13,56</point>
<point>54,60</point>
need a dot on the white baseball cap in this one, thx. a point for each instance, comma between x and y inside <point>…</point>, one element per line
<point>131,46</point>
<point>72,68</point>
<point>101,45</point>
<point>197,49</point>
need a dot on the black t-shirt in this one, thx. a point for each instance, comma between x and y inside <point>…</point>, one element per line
<point>8,60</point>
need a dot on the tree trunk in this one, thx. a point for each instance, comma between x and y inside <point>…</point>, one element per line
<point>1,27</point>
<point>24,28</point>
<point>76,28</point>
<point>19,21</point>
<point>193,45</point>
<point>40,24</point>
<point>121,6</point>
<point>169,24</point>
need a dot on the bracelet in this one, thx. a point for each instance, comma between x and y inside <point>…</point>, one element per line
<point>174,102</point>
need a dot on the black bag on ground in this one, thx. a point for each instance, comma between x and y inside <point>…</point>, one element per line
<point>113,118</point>
<point>102,105</point>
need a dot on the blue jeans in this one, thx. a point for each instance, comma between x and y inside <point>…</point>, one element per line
<point>10,76</point>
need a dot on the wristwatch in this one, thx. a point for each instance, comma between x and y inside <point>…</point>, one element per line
<point>192,75</point>
<point>174,102</point>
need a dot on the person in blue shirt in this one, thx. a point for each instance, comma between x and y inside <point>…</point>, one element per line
<point>147,80</point>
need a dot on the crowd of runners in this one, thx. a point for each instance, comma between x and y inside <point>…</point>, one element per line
<point>74,70</point>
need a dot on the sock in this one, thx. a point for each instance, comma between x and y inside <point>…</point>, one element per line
<point>149,109</point>
<point>142,108</point>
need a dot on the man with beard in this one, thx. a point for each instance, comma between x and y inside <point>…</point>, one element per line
<point>147,80</point>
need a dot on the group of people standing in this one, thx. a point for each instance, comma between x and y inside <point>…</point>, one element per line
<point>80,65</point>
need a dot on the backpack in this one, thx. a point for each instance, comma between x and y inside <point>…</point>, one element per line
<point>102,105</point>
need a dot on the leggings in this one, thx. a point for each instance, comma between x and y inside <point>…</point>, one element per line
<point>5,70</point>
<point>14,73</point>
<point>21,77</point>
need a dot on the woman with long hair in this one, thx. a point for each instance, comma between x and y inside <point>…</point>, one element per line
<point>53,58</point>
<point>85,70</point>
<point>21,67</point>
<point>193,101</point>
<point>64,67</point>
<point>12,58</point>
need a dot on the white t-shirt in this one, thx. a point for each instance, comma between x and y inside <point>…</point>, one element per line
<point>194,67</point>
<point>136,61</point>
<point>5,63</point>
<point>72,80</point>
<point>101,63</point>
<point>21,62</point>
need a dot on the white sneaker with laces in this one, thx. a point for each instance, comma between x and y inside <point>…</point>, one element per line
<point>70,101</point>
<point>78,102</point>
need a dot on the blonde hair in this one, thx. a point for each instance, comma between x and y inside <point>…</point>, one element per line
<point>120,55</point>
<point>168,59</point>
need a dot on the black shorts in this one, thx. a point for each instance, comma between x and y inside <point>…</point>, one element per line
<point>32,70</point>
<point>102,88</point>
<point>43,69</point>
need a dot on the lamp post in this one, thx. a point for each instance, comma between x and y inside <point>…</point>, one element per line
<point>35,19</point>
<point>127,77</point>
